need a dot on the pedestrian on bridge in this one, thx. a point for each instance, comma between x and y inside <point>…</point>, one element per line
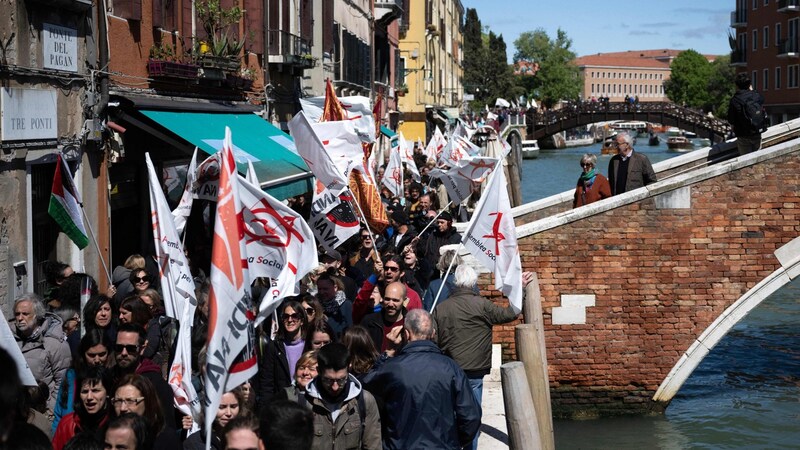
<point>592,186</point>
<point>746,115</point>
<point>628,169</point>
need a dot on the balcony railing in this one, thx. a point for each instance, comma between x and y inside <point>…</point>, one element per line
<point>788,5</point>
<point>287,48</point>
<point>388,10</point>
<point>738,18</point>
<point>788,48</point>
<point>738,58</point>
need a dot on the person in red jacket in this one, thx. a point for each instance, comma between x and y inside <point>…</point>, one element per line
<point>92,411</point>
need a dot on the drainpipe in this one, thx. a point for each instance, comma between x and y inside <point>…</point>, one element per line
<point>371,17</point>
<point>102,42</point>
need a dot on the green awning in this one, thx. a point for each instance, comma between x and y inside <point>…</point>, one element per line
<point>280,170</point>
<point>387,132</point>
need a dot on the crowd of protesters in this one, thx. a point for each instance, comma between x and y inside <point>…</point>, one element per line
<point>354,361</point>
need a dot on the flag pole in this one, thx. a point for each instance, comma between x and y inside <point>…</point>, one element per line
<point>434,219</point>
<point>446,274</point>
<point>94,239</point>
<point>366,222</point>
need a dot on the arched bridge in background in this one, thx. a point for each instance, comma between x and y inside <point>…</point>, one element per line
<point>547,123</point>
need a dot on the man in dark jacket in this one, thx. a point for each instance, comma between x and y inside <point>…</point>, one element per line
<point>421,387</point>
<point>444,234</point>
<point>748,137</point>
<point>379,324</point>
<point>464,325</point>
<point>629,170</point>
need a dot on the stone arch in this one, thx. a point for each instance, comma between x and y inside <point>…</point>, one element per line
<point>789,257</point>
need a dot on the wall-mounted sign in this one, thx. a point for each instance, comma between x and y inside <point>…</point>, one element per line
<point>60,48</point>
<point>28,114</point>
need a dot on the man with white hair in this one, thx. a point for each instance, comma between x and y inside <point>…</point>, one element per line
<point>40,336</point>
<point>464,325</point>
<point>628,169</point>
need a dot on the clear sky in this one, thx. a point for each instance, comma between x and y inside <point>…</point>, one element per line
<point>598,26</point>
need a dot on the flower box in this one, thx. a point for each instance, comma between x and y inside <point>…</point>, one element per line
<point>170,69</point>
<point>226,63</point>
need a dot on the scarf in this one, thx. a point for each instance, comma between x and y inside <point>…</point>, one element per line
<point>588,179</point>
<point>332,306</point>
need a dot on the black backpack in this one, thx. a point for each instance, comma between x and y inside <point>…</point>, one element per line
<point>754,114</point>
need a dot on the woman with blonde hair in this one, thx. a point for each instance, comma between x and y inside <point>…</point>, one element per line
<point>592,186</point>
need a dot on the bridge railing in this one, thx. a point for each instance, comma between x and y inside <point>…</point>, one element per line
<point>542,119</point>
<point>561,202</point>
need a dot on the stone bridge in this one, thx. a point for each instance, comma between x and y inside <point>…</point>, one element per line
<point>542,124</point>
<point>638,288</point>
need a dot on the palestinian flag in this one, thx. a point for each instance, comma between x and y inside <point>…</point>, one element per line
<point>65,204</point>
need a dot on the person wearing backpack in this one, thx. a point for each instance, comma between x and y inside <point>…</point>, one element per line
<point>747,116</point>
<point>345,415</point>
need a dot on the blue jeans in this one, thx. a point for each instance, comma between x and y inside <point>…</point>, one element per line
<point>477,390</point>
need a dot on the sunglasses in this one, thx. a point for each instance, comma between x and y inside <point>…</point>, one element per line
<point>130,348</point>
<point>330,381</point>
<point>310,311</point>
<point>365,237</point>
<point>392,268</point>
<point>293,316</point>
<point>144,279</point>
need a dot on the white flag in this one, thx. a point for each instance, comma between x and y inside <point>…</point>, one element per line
<point>312,150</point>
<point>184,208</point>
<point>465,177</point>
<point>491,237</point>
<point>332,217</point>
<point>393,176</point>
<point>177,288</point>
<point>231,354</point>
<point>252,177</point>
<point>280,245</point>
<point>407,156</point>
<point>342,145</point>
<point>435,145</point>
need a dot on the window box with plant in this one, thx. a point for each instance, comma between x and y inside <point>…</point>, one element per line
<point>164,62</point>
<point>401,90</point>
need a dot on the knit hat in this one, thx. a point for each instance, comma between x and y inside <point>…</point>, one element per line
<point>399,216</point>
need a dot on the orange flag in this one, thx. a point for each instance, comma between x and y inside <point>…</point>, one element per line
<point>361,185</point>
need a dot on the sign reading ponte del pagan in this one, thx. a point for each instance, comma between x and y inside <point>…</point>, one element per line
<point>60,48</point>
<point>28,114</point>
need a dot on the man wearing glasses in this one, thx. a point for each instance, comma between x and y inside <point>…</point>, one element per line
<point>345,415</point>
<point>629,170</point>
<point>128,354</point>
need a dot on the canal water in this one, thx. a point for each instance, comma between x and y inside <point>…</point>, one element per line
<point>746,392</point>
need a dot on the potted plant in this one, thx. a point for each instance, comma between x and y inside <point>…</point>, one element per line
<point>220,50</point>
<point>401,90</point>
<point>165,62</point>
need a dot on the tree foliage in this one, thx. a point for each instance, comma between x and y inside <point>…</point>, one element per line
<point>688,82</point>
<point>557,78</point>
<point>487,74</point>
<point>697,83</point>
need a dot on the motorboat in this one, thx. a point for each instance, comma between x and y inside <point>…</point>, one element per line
<point>609,146</point>
<point>679,144</point>
<point>653,139</point>
<point>530,149</point>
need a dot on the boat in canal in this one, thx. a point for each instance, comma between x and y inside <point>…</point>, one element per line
<point>653,139</point>
<point>679,144</point>
<point>530,149</point>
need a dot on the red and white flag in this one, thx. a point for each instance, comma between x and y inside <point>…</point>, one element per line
<point>177,288</point>
<point>435,145</point>
<point>393,176</point>
<point>465,176</point>
<point>231,352</point>
<point>280,245</point>
<point>491,237</point>
<point>332,217</point>
<point>181,213</point>
<point>311,148</point>
<point>407,156</point>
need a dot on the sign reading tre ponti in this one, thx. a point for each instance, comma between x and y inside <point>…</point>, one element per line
<point>28,114</point>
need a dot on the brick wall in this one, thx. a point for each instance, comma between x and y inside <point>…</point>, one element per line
<point>660,277</point>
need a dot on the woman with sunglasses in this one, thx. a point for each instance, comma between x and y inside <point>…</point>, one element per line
<point>592,186</point>
<point>92,411</point>
<point>136,394</point>
<point>312,307</point>
<point>278,365</point>
<point>140,280</point>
